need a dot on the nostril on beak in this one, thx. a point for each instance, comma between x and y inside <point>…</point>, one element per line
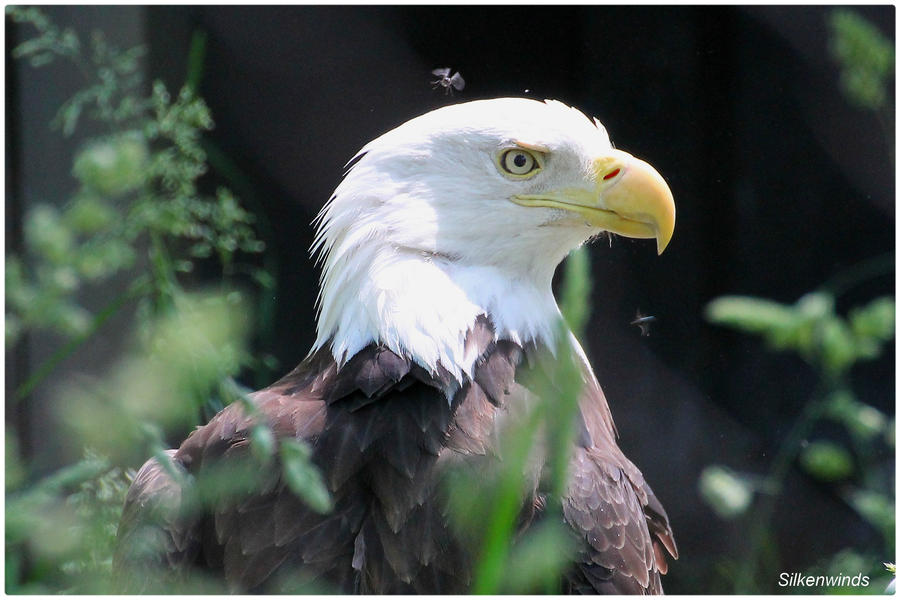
<point>611,174</point>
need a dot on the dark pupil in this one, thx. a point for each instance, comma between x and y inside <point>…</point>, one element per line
<point>519,160</point>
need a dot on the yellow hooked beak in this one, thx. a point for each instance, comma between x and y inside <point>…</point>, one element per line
<point>627,197</point>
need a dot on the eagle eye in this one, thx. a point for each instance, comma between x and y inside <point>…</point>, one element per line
<point>519,162</point>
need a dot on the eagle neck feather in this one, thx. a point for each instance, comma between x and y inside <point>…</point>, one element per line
<point>422,306</point>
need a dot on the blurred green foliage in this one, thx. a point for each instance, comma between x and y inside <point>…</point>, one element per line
<point>857,467</point>
<point>137,197</point>
<point>826,460</point>
<point>831,344</point>
<point>727,493</point>
<point>811,328</point>
<point>60,530</point>
<point>137,212</point>
<point>866,58</point>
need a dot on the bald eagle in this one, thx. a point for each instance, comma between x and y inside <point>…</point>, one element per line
<point>438,251</point>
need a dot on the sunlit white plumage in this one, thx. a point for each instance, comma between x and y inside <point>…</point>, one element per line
<point>422,236</point>
<point>422,224</point>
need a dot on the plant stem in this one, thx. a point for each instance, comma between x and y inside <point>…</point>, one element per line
<point>846,279</point>
<point>499,532</point>
<point>196,55</point>
<point>761,515</point>
<point>163,274</point>
<point>135,290</point>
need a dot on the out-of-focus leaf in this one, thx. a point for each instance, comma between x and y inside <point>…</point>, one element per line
<point>783,327</point>
<point>264,279</point>
<point>47,235</point>
<point>73,320</point>
<point>753,315</point>
<point>727,493</point>
<point>876,320</point>
<point>181,361</point>
<point>200,343</point>
<point>816,305</point>
<point>863,421</point>
<point>98,506</point>
<point>866,57</point>
<point>575,297</point>
<point>113,166</point>
<point>838,347</point>
<point>262,443</point>
<point>13,330</point>
<point>539,557</point>
<point>849,571</point>
<point>88,213</point>
<point>95,261</point>
<point>876,508</point>
<point>303,477</point>
<point>826,461</point>
<point>14,469</point>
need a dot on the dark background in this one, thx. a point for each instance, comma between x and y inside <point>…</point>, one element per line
<point>780,184</point>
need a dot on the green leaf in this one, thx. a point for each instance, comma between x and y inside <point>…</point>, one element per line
<point>575,297</point>
<point>262,443</point>
<point>89,214</point>
<point>113,166</point>
<point>303,477</point>
<point>876,320</point>
<point>876,508</point>
<point>866,58</point>
<point>837,344</point>
<point>47,235</point>
<point>73,319</point>
<point>755,315</point>
<point>103,258</point>
<point>264,279</point>
<point>862,420</point>
<point>727,493</point>
<point>826,461</point>
<point>538,558</point>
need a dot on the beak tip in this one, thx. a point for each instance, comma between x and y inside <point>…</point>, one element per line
<point>662,243</point>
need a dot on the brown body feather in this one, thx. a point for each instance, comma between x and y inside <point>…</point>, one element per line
<point>382,432</point>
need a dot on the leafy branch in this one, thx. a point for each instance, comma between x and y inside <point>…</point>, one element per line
<point>138,212</point>
<point>831,344</point>
<point>137,201</point>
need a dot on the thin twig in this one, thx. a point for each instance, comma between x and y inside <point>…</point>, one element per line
<point>137,288</point>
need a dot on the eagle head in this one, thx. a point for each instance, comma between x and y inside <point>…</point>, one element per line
<point>465,211</point>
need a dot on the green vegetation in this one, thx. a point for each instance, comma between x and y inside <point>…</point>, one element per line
<point>831,344</point>
<point>138,214</point>
<point>866,58</point>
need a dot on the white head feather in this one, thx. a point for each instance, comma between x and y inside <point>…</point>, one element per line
<point>420,238</point>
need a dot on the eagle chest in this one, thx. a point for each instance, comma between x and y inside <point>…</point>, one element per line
<point>383,436</point>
